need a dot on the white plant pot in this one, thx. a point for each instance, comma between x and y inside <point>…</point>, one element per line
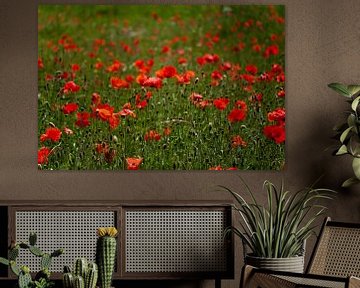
<point>291,264</point>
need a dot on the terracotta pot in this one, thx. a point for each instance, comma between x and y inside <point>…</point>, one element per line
<point>291,264</point>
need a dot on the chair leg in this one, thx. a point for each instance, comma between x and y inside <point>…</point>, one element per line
<point>217,283</point>
<point>246,274</point>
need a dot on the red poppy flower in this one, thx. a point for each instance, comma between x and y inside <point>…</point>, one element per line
<point>70,87</point>
<point>102,147</point>
<point>152,135</point>
<point>95,99</point>
<point>98,65</point>
<point>182,60</point>
<point>195,98</point>
<point>43,154</point>
<point>70,108</point>
<point>256,48</point>
<point>232,168</point>
<point>216,168</point>
<point>40,63</point>
<point>216,75</point>
<point>165,49</point>
<point>114,121</point>
<point>275,132</point>
<point>280,78</point>
<point>129,78</point>
<point>52,134</point>
<point>237,141</point>
<point>271,50</point>
<point>127,112</point>
<point>185,78</point>
<point>252,69</point>
<point>75,67</point>
<point>241,105</point>
<point>133,163</point>
<point>221,103</point>
<point>248,78</point>
<point>82,119</point>
<point>153,82</point>
<point>104,111</point>
<point>278,115</point>
<point>68,131</point>
<point>166,72</point>
<point>115,66</point>
<point>140,104</point>
<point>276,69</point>
<point>256,97</point>
<point>201,61</point>
<point>167,131</point>
<point>148,95</point>
<point>203,104</point>
<point>226,66</point>
<point>266,77</point>
<point>281,94</point>
<point>236,115</point>
<point>118,83</point>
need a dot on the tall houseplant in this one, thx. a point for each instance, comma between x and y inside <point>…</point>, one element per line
<point>349,132</point>
<point>275,234</point>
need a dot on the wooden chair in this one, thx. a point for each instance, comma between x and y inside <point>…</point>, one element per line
<point>334,263</point>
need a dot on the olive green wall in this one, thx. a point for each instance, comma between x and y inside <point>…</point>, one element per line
<point>322,46</point>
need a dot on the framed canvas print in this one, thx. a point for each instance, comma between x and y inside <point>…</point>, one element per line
<point>161,87</point>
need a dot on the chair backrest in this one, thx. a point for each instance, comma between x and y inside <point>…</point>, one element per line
<point>337,251</point>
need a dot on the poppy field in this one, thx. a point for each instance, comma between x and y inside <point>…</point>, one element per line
<point>161,87</point>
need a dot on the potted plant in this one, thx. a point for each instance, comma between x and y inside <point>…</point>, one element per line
<point>349,132</point>
<point>42,278</point>
<point>276,233</point>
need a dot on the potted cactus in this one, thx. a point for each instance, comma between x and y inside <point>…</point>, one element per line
<point>106,254</point>
<point>84,275</point>
<point>42,278</point>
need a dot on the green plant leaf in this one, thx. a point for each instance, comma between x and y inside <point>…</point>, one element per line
<point>342,150</point>
<point>354,145</point>
<point>340,88</point>
<point>4,261</point>
<point>345,134</point>
<point>351,120</point>
<point>353,89</point>
<point>356,167</point>
<point>349,182</point>
<point>355,103</point>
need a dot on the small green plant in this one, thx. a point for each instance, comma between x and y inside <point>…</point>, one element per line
<point>349,132</point>
<point>84,275</point>
<point>105,254</point>
<point>42,278</point>
<point>279,229</point>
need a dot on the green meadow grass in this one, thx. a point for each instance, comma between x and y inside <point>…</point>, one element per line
<point>200,138</point>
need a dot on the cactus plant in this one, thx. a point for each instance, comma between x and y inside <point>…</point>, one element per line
<point>91,275</point>
<point>79,282</point>
<point>105,254</point>
<point>80,268</point>
<point>42,278</point>
<point>85,275</point>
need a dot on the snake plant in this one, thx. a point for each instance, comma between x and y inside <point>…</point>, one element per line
<point>279,228</point>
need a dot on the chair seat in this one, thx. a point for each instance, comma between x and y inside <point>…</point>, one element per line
<point>268,279</point>
<point>315,282</point>
<point>335,262</point>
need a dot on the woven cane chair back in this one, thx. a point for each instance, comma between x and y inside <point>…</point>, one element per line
<point>338,251</point>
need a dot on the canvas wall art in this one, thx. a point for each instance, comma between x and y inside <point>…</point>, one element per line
<point>161,87</point>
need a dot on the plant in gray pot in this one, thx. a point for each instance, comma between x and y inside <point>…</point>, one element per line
<point>274,235</point>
